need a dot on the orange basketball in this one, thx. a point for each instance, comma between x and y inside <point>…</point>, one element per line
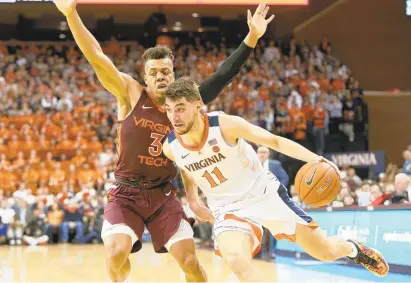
<point>317,183</point>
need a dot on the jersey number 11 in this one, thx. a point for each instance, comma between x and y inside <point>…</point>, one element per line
<point>210,178</point>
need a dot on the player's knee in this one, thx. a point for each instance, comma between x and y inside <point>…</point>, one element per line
<point>117,254</point>
<point>238,263</point>
<point>190,264</point>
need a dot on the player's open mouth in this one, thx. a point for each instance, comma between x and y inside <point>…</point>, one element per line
<point>161,86</point>
<point>178,125</point>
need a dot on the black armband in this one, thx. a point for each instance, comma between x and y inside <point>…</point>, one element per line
<point>213,85</point>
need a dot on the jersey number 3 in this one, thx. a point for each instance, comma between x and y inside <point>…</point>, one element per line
<point>157,146</point>
<point>210,178</point>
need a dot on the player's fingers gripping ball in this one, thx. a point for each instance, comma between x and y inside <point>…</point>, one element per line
<point>317,183</point>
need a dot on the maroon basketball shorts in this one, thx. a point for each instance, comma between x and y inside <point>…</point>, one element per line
<point>130,209</point>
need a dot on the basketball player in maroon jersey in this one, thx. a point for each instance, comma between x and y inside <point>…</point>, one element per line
<point>143,195</point>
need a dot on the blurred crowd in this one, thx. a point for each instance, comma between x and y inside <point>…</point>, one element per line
<point>58,131</point>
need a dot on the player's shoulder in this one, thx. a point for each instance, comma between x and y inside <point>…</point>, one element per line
<point>132,85</point>
<point>215,118</point>
<point>171,138</point>
<point>223,120</point>
<point>167,145</point>
<point>127,77</point>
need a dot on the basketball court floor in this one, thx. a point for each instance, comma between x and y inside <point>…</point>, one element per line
<point>77,263</point>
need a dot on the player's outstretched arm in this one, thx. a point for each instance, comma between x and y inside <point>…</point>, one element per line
<point>202,212</point>
<point>213,85</point>
<point>107,73</point>
<point>234,127</point>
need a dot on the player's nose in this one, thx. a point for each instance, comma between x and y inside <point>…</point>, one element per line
<point>160,77</point>
<point>176,118</point>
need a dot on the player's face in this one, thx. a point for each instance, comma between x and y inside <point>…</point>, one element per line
<point>182,114</point>
<point>159,75</point>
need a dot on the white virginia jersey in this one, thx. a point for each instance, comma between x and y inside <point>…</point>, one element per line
<point>225,173</point>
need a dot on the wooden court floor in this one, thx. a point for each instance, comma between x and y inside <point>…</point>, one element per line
<point>86,263</point>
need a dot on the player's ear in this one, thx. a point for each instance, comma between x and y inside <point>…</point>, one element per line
<point>199,104</point>
<point>145,79</point>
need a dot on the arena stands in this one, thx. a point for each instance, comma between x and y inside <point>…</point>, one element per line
<point>58,131</point>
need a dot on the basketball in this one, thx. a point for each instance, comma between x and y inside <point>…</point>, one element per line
<point>317,183</point>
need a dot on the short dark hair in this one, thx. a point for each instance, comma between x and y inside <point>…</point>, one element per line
<point>183,88</point>
<point>156,53</point>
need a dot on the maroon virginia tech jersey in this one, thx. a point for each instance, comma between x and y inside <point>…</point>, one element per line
<point>139,145</point>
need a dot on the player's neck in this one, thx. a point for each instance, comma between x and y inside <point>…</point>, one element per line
<point>157,98</point>
<point>195,136</point>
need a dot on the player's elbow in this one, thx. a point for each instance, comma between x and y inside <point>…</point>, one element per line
<point>96,60</point>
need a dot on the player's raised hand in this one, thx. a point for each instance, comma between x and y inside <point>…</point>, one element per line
<point>258,22</point>
<point>203,213</point>
<point>66,6</point>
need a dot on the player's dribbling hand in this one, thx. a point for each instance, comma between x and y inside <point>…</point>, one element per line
<point>66,6</point>
<point>203,214</point>
<point>257,23</point>
<point>322,159</point>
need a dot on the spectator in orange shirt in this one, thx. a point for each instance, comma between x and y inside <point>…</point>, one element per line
<point>34,160</point>
<point>324,83</point>
<point>88,132</point>
<point>55,219</point>
<point>43,143</point>
<point>44,173</point>
<point>288,127</point>
<point>65,143</point>
<point>95,145</point>
<point>3,147</point>
<point>4,163</point>
<point>4,132</point>
<point>31,177</point>
<point>9,180</point>
<point>320,120</point>
<point>300,134</point>
<point>29,144</point>
<point>19,163</point>
<point>80,143</point>
<point>57,178</point>
<point>293,109</point>
<point>338,84</point>
<point>13,147</point>
<point>50,162</point>
<point>78,159</point>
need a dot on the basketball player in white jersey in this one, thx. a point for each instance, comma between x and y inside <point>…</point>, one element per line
<point>213,155</point>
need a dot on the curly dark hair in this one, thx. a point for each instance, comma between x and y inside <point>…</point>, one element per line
<point>156,53</point>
